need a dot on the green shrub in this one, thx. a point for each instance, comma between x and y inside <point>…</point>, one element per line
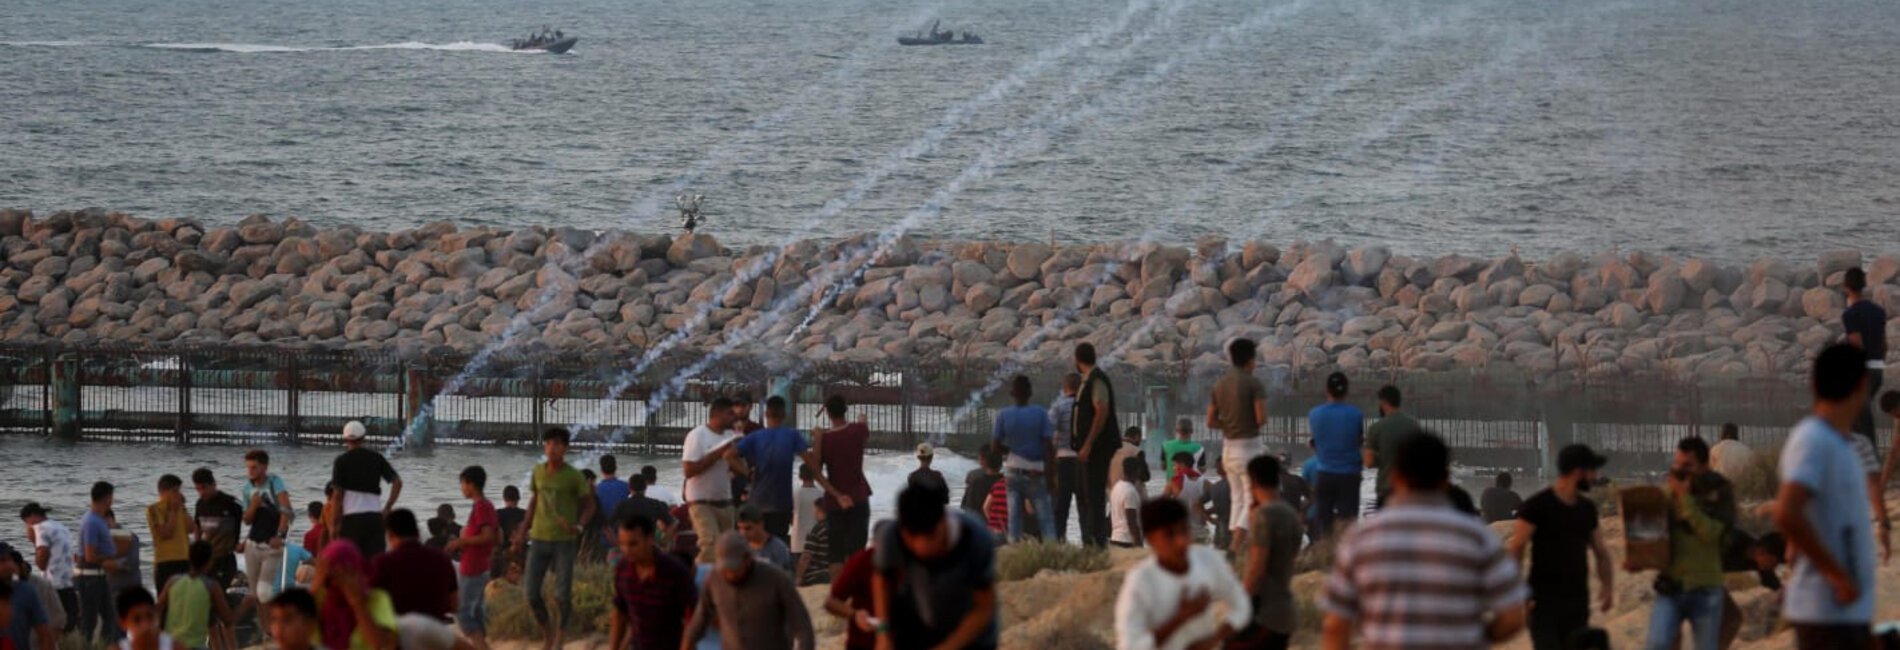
<point>1023,561</point>
<point>510,618</point>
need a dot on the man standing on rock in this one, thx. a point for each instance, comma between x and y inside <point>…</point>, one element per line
<point>1094,438</point>
<point>359,474</point>
<point>1238,409</point>
<point>1559,524</point>
<point>1337,428</point>
<point>1067,464</point>
<point>1865,326</point>
<point>1822,510</point>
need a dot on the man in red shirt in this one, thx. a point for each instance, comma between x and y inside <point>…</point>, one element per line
<point>851,600</point>
<point>418,579</point>
<point>653,591</point>
<point>477,543</point>
<point>847,501</point>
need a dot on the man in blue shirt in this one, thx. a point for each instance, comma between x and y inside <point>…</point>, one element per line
<point>1823,510</point>
<point>1066,463</point>
<point>1337,427</point>
<point>1025,430</point>
<point>770,452</point>
<point>610,491</point>
<point>29,628</point>
<point>96,558</point>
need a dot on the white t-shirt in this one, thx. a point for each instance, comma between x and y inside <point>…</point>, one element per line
<point>1150,595</point>
<point>1192,490</point>
<point>61,548</point>
<point>664,495</point>
<point>804,514</point>
<point>714,484</point>
<point>1121,500</point>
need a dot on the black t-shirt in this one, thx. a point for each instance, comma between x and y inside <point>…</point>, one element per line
<point>362,470</point>
<point>976,487</point>
<point>508,519</point>
<point>638,504</point>
<point>1870,322</point>
<point>219,519</point>
<point>1558,565</point>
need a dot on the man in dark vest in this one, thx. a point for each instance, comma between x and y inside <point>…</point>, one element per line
<point>1095,439</point>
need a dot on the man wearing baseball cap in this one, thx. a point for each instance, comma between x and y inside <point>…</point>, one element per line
<point>54,548</point>
<point>359,474</point>
<point>927,477</point>
<point>754,605</point>
<point>1559,524</point>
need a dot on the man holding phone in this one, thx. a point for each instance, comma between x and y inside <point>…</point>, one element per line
<point>712,456</point>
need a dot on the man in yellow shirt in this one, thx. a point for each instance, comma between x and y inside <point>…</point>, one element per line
<point>172,528</point>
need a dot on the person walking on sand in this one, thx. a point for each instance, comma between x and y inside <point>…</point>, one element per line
<point>1165,600</point>
<point>771,453</point>
<point>359,474</point>
<point>171,531</point>
<point>754,605</point>
<point>1454,583</point>
<point>559,502</point>
<point>711,455</point>
<point>1558,524</point>
<point>1273,543</point>
<point>847,502</point>
<point>1337,429</point>
<point>1690,589</point>
<point>935,580</point>
<point>1094,441</point>
<point>1822,511</point>
<point>268,511</point>
<point>1068,464</point>
<point>653,591</point>
<point>1238,409</point>
<point>1028,477</point>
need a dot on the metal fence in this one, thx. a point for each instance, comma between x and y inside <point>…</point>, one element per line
<point>235,394</point>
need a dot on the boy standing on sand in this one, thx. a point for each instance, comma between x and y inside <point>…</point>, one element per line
<point>560,502</point>
<point>1238,409</point>
<point>1124,502</point>
<point>1273,543</point>
<point>53,551</point>
<point>1822,510</point>
<point>805,517</point>
<point>1165,600</point>
<point>477,545</point>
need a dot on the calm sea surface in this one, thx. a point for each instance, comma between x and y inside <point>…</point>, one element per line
<point>1724,128</point>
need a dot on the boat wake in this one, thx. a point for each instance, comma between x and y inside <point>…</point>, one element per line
<point>252,48</point>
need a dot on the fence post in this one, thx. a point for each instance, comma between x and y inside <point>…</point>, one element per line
<point>538,412</point>
<point>293,400</point>
<point>184,399</point>
<point>66,406</point>
<point>909,409</point>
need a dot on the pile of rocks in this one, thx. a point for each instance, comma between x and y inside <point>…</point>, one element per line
<point>91,276</point>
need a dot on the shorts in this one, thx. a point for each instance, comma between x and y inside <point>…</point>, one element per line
<point>472,614</point>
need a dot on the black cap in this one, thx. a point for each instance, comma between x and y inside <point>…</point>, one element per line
<point>1576,457</point>
<point>1336,384</point>
<point>32,509</point>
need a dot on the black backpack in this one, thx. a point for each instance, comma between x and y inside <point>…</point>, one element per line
<point>264,523</point>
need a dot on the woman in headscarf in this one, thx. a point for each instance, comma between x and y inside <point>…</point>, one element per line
<point>350,613</point>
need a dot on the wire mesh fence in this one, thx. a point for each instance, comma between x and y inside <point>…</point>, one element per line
<point>231,394</point>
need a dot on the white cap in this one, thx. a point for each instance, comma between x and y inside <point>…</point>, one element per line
<point>353,430</point>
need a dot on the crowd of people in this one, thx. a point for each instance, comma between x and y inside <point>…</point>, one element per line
<point>767,508</point>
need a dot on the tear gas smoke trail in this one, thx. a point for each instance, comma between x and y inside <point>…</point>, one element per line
<point>954,117</point>
<point>1013,145</point>
<point>1287,199</point>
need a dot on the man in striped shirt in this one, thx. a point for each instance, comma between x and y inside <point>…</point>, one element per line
<point>1422,574</point>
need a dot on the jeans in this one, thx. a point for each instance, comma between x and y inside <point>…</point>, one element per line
<point>1066,468</point>
<point>1234,456</point>
<point>1033,487</point>
<point>1337,499</point>
<point>561,555</point>
<point>95,609</point>
<point>1092,497</point>
<point>1702,608</point>
<point>472,615</point>
<point>69,603</point>
<point>709,522</point>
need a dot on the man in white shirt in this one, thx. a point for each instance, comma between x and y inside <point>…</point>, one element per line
<point>1165,600</point>
<point>54,548</point>
<point>711,458</point>
<point>1124,504</point>
<point>657,492</point>
<point>1190,488</point>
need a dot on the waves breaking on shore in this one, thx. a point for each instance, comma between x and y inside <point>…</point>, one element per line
<point>91,276</point>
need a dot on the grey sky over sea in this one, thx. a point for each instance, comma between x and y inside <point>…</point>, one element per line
<point>1716,128</point>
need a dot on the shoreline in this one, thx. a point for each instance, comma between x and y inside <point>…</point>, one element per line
<point>93,277</point>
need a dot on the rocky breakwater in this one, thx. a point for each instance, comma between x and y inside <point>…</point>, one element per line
<point>90,276</point>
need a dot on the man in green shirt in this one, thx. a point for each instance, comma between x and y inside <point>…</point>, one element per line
<point>1383,437</point>
<point>1182,443</point>
<point>561,501</point>
<point>1701,511</point>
